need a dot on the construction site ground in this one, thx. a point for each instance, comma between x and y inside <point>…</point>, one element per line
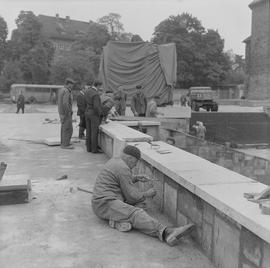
<point>58,227</point>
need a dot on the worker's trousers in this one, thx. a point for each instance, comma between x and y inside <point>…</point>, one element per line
<point>92,128</point>
<point>66,130</point>
<point>122,212</point>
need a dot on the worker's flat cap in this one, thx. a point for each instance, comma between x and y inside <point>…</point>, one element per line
<point>70,80</point>
<point>133,151</point>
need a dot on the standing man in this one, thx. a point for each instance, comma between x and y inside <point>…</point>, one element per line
<point>120,98</point>
<point>65,113</point>
<point>81,104</point>
<point>93,115</point>
<point>20,103</point>
<point>117,199</point>
<point>139,102</point>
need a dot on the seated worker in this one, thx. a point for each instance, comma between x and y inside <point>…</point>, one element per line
<point>151,109</point>
<point>117,199</point>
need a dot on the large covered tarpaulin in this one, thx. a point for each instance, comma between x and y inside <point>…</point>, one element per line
<point>128,64</point>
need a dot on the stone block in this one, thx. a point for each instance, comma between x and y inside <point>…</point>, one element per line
<point>159,187</point>
<point>106,144</point>
<point>190,205</point>
<point>251,246</point>
<point>208,213</point>
<point>181,219</point>
<point>207,238</point>
<point>226,244</point>
<point>259,172</point>
<point>266,256</point>
<point>170,201</point>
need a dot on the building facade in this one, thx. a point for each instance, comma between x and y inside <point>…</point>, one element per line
<point>258,52</point>
<point>62,32</point>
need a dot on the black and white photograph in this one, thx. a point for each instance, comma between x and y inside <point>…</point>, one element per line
<point>134,133</point>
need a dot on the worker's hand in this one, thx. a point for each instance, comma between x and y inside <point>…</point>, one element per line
<point>150,193</point>
<point>141,177</point>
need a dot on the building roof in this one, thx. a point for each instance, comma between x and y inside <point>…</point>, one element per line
<point>62,28</point>
<point>256,2</point>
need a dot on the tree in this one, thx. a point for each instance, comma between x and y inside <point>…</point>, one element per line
<point>200,56</point>
<point>10,74</point>
<point>136,38</point>
<point>96,37</point>
<point>30,49</point>
<point>113,24</point>
<point>3,38</point>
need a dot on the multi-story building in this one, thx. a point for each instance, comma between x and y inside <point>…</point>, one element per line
<point>62,32</point>
<point>258,52</point>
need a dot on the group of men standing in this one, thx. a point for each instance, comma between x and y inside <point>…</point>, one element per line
<point>95,105</point>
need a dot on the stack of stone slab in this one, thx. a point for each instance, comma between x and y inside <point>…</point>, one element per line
<point>14,189</point>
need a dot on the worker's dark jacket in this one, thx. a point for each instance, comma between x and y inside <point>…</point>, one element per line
<point>139,103</point>
<point>93,103</point>
<point>93,115</point>
<point>81,103</point>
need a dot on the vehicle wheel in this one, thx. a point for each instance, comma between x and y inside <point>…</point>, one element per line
<point>208,109</point>
<point>215,108</point>
<point>196,108</point>
<point>193,105</point>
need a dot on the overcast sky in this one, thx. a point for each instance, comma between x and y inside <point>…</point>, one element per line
<point>232,18</point>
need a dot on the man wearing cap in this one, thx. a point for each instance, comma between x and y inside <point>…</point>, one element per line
<point>117,199</point>
<point>93,115</point>
<point>65,112</point>
<point>139,102</point>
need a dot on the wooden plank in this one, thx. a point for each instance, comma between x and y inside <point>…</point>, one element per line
<point>14,185</point>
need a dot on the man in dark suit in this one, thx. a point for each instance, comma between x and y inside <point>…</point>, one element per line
<point>81,104</point>
<point>93,116</point>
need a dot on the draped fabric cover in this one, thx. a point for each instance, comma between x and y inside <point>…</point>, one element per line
<point>128,64</point>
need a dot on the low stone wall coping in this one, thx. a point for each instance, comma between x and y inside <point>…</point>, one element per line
<point>137,123</point>
<point>218,186</point>
<point>122,132</point>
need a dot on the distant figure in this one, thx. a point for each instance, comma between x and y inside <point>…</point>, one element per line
<point>81,104</point>
<point>200,130</point>
<point>53,97</point>
<point>20,103</point>
<point>65,100</point>
<point>93,117</point>
<point>151,109</point>
<point>120,98</point>
<point>171,141</point>
<point>139,102</point>
<point>183,100</point>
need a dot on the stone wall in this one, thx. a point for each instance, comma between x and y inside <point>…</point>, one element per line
<point>224,241</point>
<point>251,166</point>
<point>230,230</point>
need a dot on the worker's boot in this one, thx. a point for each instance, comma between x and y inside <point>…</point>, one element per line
<point>122,226</point>
<point>173,235</point>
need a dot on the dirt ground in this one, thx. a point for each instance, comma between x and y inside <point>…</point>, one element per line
<point>58,228</point>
